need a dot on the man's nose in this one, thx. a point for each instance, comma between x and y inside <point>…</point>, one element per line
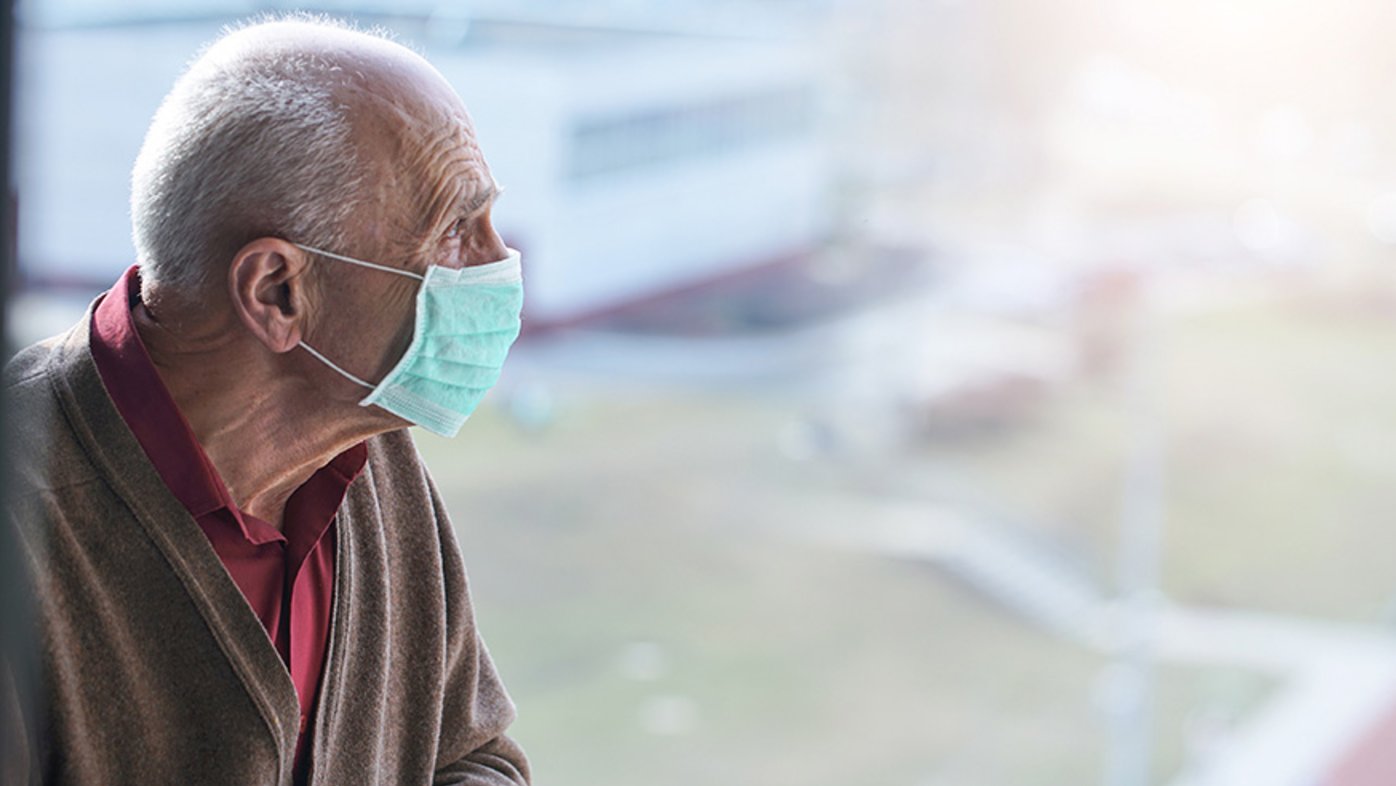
<point>487,246</point>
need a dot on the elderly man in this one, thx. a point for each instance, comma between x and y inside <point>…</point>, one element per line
<point>242,572</point>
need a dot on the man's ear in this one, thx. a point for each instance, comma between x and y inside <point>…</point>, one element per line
<point>267,285</point>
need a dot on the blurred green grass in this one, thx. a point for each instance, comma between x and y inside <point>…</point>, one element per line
<point>664,521</point>
<point>1283,459</point>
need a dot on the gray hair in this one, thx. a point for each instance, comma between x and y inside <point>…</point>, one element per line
<point>244,146</point>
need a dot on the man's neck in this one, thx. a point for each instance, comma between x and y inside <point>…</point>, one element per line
<point>264,430</point>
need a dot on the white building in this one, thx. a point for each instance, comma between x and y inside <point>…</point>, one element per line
<point>635,162</point>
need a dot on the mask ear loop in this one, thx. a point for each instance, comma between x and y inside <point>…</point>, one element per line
<point>359,262</point>
<point>332,365</point>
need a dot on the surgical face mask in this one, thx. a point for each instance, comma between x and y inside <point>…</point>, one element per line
<point>467,318</point>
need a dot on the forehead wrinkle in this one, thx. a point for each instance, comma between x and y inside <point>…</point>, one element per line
<point>424,148</point>
<point>450,171</point>
<point>425,154</point>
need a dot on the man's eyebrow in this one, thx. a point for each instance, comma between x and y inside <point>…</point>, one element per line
<point>468,208</point>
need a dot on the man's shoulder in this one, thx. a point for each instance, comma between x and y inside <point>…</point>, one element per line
<point>31,401</point>
<point>42,450</point>
<point>30,365</point>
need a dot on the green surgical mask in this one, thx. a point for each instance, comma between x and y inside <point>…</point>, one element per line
<point>467,318</point>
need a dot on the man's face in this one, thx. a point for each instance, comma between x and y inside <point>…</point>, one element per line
<point>430,199</point>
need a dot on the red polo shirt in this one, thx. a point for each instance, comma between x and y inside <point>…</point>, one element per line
<point>287,576</point>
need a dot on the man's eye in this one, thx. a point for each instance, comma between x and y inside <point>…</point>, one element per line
<point>455,230</point>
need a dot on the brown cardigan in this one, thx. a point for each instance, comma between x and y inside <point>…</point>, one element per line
<point>155,669</point>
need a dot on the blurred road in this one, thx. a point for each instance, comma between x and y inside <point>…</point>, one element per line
<point>1336,682</point>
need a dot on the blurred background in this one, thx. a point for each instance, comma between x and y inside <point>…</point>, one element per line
<point>913,392</point>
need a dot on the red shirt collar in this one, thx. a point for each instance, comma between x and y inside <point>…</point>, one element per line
<point>145,404</point>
